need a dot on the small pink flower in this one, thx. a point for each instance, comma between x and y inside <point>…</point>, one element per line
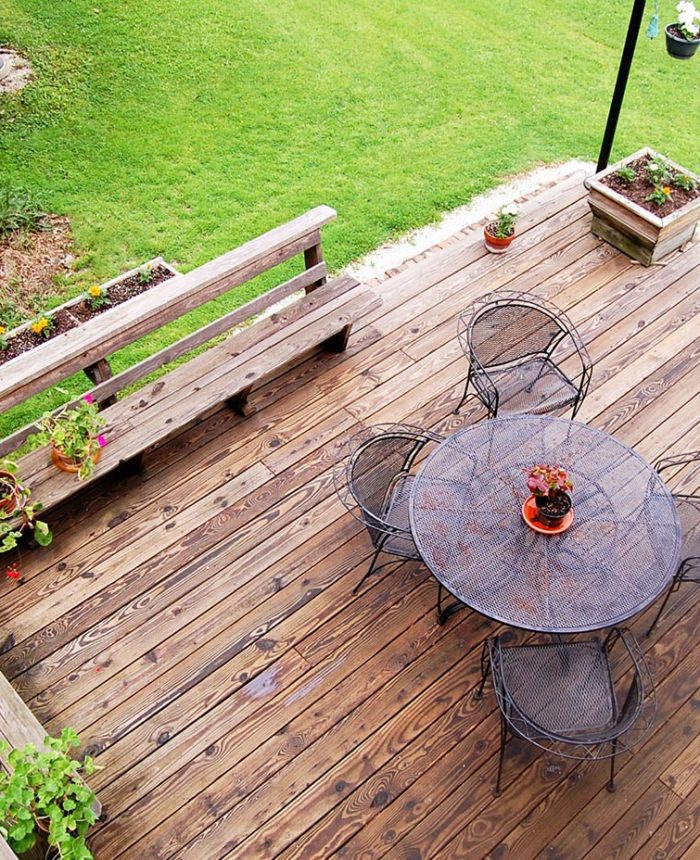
<point>101,441</point>
<point>88,398</point>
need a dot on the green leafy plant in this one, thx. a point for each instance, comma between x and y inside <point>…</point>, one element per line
<point>687,183</point>
<point>660,195</point>
<point>658,170</point>
<point>45,784</point>
<point>97,297</point>
<point>10,315</point>
<point>145,273</point>
<point>504,225</point>
<point>626,174</point>
<point>16,512</point>
<point>74,433</point>
<point>20,209</point>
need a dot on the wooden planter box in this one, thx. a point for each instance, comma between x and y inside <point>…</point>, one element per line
<point>156,261</point>
<point>634,230</point>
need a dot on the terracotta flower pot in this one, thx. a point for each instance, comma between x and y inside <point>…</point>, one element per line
<point>68,464</point>
<point>677,46</point>
<point>496,244</point>
<point>8,486</point>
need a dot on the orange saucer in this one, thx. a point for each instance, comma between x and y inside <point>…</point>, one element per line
<point>530,517</point>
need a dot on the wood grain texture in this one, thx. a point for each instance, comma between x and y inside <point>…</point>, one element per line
<point>196,622</point>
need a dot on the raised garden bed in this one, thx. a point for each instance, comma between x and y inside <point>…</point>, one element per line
<point>77,311</point>
<point>625,217</point>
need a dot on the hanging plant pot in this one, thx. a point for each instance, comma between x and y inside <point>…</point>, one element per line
<point>496,244</point>
<point>68,464</point>
<point>677,45</point>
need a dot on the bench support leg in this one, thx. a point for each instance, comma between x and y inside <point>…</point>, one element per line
<point>338,342</point>
<point>241,404</point>
<point>99,372</point>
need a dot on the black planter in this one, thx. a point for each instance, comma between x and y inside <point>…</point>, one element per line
<point>679,47</point>
<point>548,518</point>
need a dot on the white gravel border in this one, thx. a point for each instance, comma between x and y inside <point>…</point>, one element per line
<point>391,255</point>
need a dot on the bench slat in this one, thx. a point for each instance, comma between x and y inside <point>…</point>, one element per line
<point>72,351</point>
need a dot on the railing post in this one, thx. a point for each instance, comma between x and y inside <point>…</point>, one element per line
<point>312,257</point>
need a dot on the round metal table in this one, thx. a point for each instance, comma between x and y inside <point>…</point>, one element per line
<point>618,555</point>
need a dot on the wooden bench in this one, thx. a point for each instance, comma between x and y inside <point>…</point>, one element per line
<point>18,727</point>
<point>321,314</point>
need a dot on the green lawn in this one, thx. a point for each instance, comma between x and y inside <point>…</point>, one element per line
<point>183,128</point>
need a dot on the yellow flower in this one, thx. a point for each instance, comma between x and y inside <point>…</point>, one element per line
<point>39,325</point>
<point>95,291</point>
<point>2,329</point>
<point>667,190</point>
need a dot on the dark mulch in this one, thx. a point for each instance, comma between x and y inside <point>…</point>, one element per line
<point>640,188</point>
<point>68,318</point>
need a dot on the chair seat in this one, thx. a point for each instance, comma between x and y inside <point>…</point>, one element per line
<point>578,697</point>
<point>689,515</point>
<point>535,386</point>
<point>396,514</point>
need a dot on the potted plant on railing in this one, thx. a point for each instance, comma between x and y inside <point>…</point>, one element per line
<point>498,234</point>
<point>683,36</point>
<point>16,512</point>
<point>74,436</point>
<point>550,487</point>
<point>45,792</point>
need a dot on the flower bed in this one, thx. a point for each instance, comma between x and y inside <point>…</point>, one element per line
<point>640,187</point>
<point>95,301</point>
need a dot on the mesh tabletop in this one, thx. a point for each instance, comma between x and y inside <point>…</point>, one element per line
<point>618,555</point>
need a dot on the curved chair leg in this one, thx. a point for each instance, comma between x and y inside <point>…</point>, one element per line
<point>611,782</point>
<point>485,669</point>
<point>465,397</point>
<point>375,568</point>
<point>501,756</point>
<point>370,571</point>
<point>677,579</point>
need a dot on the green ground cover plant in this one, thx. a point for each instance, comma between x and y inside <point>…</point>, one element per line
<point>185,128</point>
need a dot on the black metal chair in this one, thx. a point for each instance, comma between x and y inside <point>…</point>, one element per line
<point>515,343</point>
<point>562,697</point>
<point>373,478</point>
<point>689,514</point>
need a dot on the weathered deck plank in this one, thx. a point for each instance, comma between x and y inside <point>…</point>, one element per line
<point>196,623</point>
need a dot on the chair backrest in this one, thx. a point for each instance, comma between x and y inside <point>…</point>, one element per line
<point>371,463</point>
<point>505,328</point>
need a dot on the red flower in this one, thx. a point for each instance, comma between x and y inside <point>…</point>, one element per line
<point>88,398</point>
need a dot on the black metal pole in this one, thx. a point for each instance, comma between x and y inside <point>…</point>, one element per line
<point>621,83</point>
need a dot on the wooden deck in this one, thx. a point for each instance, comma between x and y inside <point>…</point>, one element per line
<point>196,625</point>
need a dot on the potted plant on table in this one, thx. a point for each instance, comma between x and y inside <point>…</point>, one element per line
<point>16,512</point>
<point>498,234</point>
<point>74,436</point>
<point>550,486</point>
<point>45,791</point>
<point>683,36</point>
